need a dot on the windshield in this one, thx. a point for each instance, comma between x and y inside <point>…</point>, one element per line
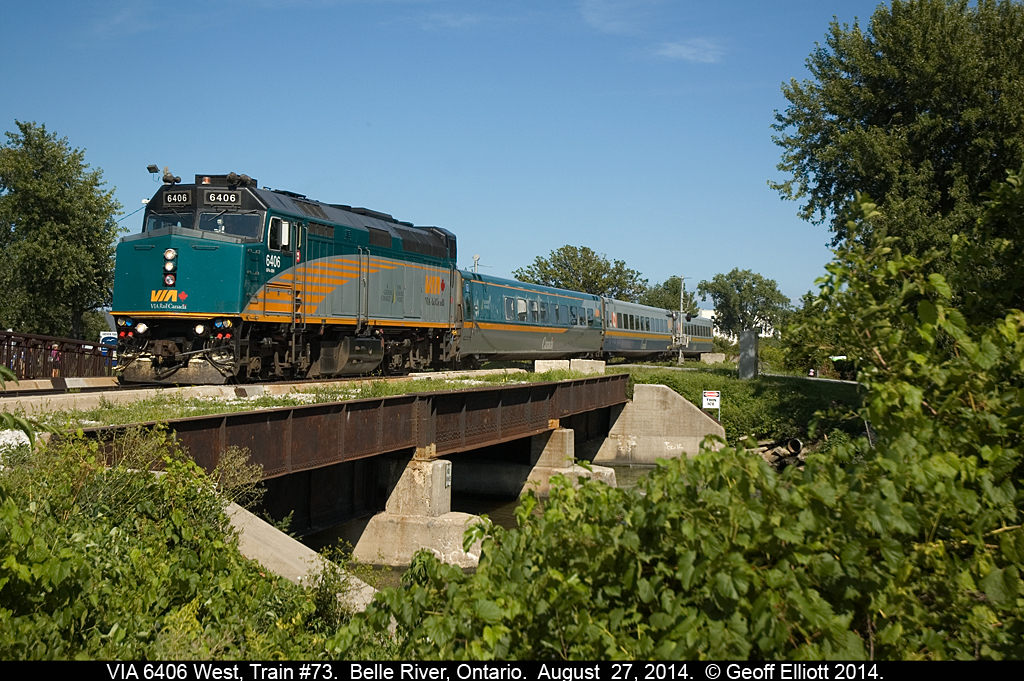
<point>239,224</point>
<point>157,221</point>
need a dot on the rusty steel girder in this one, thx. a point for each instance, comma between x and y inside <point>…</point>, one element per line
<point>289,439</point>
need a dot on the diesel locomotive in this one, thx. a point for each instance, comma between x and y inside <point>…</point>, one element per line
<point>230,282</point>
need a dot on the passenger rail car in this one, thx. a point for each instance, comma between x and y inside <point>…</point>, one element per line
<point>230,282</point>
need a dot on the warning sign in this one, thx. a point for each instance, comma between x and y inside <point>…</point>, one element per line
<point>712,399</point>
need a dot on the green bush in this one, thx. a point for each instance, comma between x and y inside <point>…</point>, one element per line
<point>118,563</point>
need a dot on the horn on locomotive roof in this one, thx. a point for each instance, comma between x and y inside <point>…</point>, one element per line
<point>169,177</point>
<point>234,179</point>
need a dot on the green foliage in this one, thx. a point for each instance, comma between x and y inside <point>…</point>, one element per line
<point>802,345</point>
<point>666,295</point>
<point>581,269</point>
<point>988,272</point>
<point>57,233</point>
<point>745,300</point>
<point>923,110</point>
<point>117,563</point>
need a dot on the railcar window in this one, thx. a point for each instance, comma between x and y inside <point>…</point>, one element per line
<point>558,314</point>
<point>572,315</point>
<point>510,308</point>
<point>521,309</point>
<point>156,221</point>
<point>590,316</point>
<point>534,311</point>
<point>543,312</point>
<point>647,323</point>
<point>239,224</point>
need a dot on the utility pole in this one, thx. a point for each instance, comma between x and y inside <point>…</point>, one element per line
<point>682,315</point>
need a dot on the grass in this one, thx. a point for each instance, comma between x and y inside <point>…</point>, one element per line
<point>174,405</point>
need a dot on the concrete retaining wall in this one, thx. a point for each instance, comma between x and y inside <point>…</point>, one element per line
<point>287,557</point>
<point>658,424</point>
<point>585,366</point>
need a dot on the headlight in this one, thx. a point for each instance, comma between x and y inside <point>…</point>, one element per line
<point>120,321</point>
<point>169,266</point>
<point>169,280</point>
<point>142,327</point>
<point>199,329</point>
<point>170,254</point>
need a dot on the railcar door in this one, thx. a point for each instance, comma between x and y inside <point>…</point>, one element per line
<point>278,291</point>
<point>300,275</point>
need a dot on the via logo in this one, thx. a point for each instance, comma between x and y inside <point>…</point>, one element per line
<point>167,295</point>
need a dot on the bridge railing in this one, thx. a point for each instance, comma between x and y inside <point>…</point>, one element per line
<point>30,357</point>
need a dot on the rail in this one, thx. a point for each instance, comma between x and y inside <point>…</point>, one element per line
<point>292,439</point>
<point>38,357</point>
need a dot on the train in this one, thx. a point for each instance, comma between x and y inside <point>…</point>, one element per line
<point>228,282</point>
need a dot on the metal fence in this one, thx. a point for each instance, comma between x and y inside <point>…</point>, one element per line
<point>31,357</point>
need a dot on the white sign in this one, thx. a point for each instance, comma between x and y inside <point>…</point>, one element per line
<point>712,399</point>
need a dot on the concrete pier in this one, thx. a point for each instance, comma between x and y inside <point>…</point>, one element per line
<point>417,515</point>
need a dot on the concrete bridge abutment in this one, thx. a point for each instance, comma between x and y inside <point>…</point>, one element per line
<point>657,424</point>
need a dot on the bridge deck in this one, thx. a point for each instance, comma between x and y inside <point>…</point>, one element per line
<point>292,439</point>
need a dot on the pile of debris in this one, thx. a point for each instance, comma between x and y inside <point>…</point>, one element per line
<point>778,455</point>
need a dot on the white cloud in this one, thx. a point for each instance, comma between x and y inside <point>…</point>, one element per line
<point>452,20</point>
<point>128,19</point>
<point>694,49</point>
<point>617,16</point>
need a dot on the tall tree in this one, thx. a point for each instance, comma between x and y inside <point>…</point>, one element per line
<point>581,269</point>
<point>923,111</point>
<point>57,233</point>
<point>666,295</point>
<point>744,300</point>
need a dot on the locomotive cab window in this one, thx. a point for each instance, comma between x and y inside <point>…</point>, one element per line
<point>245,225</point>
<point>157,221</point>
<point>279,234</point>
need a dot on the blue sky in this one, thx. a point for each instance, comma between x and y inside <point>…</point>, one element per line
<point>639,128</point>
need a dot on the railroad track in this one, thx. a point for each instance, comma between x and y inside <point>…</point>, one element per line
<point>57,394</point>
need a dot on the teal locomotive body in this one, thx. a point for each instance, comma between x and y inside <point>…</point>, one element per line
<point>228,282</point>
